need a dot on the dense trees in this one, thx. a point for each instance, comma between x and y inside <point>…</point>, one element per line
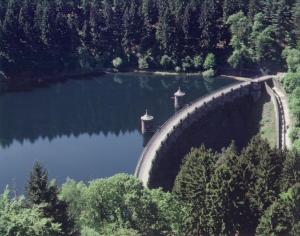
<point>291,84</point>
<point>121,203</point>
<point>255,191</point>
<point>283,216</point>
<point>17,219</point>
<point>47,35</point>
<point>232,192</point>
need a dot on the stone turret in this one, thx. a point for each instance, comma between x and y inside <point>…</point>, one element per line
<point>147,123</point>
<point>179,99</point>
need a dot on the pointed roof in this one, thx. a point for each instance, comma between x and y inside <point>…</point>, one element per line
<point>179,93</point>
<point>147,117</point>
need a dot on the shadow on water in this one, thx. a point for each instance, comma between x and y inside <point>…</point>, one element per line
<point>238,121</point>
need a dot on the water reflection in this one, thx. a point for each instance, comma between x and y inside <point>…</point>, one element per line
<point>46,124</point>
<point>109,105</point>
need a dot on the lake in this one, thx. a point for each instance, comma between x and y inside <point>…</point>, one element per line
<point>88,128</point>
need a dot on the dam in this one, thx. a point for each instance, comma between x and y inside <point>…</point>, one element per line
<point>159,146</point>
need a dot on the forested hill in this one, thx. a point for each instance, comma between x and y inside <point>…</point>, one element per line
<point>41,35</point>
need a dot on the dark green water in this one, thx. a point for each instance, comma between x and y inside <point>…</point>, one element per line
<point>85,129</point>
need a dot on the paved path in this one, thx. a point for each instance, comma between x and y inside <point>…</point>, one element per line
<point>149,154</point>
<point>285,114</point>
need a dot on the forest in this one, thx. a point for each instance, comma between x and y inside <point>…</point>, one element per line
<point>55,36</point>
<point>254,192</point>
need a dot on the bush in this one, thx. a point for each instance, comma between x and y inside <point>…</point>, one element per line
<point>117,62</point>
<point>296,145</point>
<point>177,69</point>
<point>295,103</point>
<point>291,82</point>
<point>295,134</point>
<point>187,64</point>
<point>292,58</point>
<point>143,63</point>
<point>210,62</point>
<point>166,62</point>
<point>208,74</point>
<point>198,62</point>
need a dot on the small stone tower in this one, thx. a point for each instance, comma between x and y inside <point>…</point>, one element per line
<point>147,123</point>
<point>179,99</point>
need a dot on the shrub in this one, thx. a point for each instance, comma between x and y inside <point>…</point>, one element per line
<point>210,62</point>
<point>177,69</point>
<point>117,62</point>
<point>292,58</point>
<point>296,145</point>
<point>198,62</point>
<point>291,82</point>
<point>187,63</point>
<point>295,103</point>
<point>166,62</point>
<point>143,63</point>
<point>208,74</point>
<point>295,134</point>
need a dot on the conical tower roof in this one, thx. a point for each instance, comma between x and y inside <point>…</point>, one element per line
<point>147,117</point>
<point>179,93</point>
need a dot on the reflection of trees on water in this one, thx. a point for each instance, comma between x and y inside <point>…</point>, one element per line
<point>110,104</point>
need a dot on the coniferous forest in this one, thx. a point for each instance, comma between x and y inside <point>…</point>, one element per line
<point>182,35</point>
<point>252,192</point>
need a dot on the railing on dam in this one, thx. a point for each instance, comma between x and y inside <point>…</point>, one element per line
<point>183,116</point>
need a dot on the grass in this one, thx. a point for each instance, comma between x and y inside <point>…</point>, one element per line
<point>268,122</point>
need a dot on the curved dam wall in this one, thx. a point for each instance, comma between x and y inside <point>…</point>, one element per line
<point>161,158</point>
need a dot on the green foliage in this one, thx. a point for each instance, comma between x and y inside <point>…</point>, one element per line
<point>121,206</point>
<point>293,59</point>
<point>117,62</point>
<point>210,62</point>
<point>229,192</point>
<point>55,36</point>
<point>145,61</point>
<point>41,192</point>
<point>18,220</point>
<point>167,62</point>
<point>187,64</point>
<point>208,74</point>
<point>259,39</point>
<point>190,185</point>
<point>291,82</point>
<point>283,216</point>
<point>295,103</point>
<point>198,62</point>
<point>72,193</point>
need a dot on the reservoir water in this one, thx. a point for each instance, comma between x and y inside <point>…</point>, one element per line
<point>86,129</point>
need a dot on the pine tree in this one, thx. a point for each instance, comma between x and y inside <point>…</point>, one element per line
<point>296,20</point>
<point>40,192</point>
<point>37,186</point>
<point>191,29</point>
<point>190,185</point>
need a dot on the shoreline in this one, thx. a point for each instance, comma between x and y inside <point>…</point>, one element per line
<point>29,83</point>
